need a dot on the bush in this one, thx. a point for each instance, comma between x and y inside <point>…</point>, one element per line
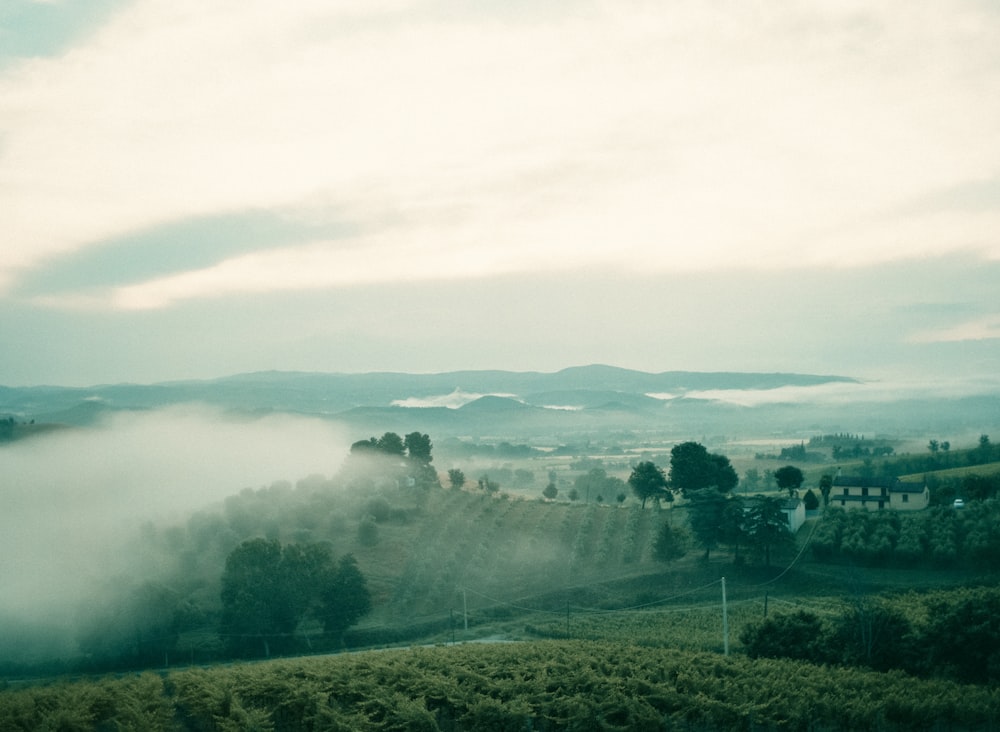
<point>798,635</point>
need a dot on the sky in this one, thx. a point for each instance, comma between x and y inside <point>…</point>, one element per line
<point>191,189</point>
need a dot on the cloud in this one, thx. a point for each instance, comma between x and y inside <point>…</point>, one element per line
<point>464,144</point>
<point>860,392</point>
<point>454,400</point>
<point>71,498</point>
<point>977,329</point>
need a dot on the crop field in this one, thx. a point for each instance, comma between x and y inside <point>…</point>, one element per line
<point>545,685</point>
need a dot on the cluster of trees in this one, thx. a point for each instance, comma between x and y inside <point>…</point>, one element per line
<point>715,516</point>
<point>799,453</point>
<point>938,537</point>
<point>984,452</point>
<point>415,446</point>
<point>692,468</point>
<point>971,487</point>
<point>402,458</point>
<point>269,591</point>
<point>754,525</point>
<point>953,634</point>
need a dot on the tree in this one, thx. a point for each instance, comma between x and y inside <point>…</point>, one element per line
<point>365,446</point>
<point>693,468</point>
<point>825,486</point>
<point>648,481</point>
<point>590,483</point>
<point>456,478</point>
<point>418,447</point>
<point>267,590</point>
<point>767,526</point>
<point>550,491</point>
<point>810,500</point>
<point>933,446</point>
<point>706,513</point>
<point>343,597</point>
<point>391,444</point>
<point>670,544</point>
<point>789,478</point>
<point>255,604</point>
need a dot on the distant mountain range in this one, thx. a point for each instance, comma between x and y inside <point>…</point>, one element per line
<point>519,405</point>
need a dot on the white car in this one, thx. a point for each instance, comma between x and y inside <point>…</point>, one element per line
<point>959,503</point>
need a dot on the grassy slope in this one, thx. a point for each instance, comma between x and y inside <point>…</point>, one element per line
<point>984,469</point>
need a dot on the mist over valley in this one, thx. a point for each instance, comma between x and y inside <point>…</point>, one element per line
<point>122,502</point>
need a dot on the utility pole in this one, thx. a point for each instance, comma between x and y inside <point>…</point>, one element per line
<point>725,620</point>
<point>465,610</point>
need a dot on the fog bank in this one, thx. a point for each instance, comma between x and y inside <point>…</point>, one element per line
<point>71,497</point>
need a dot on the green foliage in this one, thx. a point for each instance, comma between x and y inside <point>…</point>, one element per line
<point>456,478</point>
<point>962,636</point>
<point>693,468</point>
<point>418,447</point>
<point>789,478</point>
<point>343,596</point>
<point>548,685</point>
<point>953,634</point>
<point>797,635</point>
<point>938,537</point>
<point>810,501</point>
<point>670,544</point>
<point>766,526</point>
<point>268,589</point>
<point>647,480</point>
<point>706,512</point>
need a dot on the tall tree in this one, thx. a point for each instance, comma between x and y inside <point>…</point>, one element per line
<point>648,481</point>
<point>693,467</point>
<point>825,486</point>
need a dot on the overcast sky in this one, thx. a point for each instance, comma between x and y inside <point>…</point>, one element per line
<point>194,188</point>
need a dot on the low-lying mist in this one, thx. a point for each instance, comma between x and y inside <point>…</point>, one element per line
<point>72,498</point>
